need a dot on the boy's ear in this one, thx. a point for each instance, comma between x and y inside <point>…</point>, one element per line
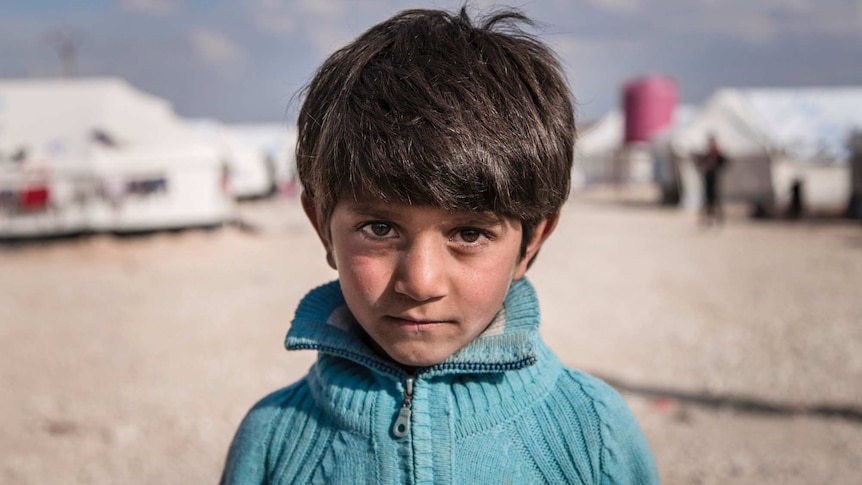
<point>543,230</point>
<point>317,222</point>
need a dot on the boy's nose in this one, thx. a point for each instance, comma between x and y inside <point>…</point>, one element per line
<point>421,273</point>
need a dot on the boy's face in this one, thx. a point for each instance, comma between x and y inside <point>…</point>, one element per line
<point>421,281</point>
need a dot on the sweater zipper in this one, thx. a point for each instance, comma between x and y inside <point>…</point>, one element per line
<point>401,428</point>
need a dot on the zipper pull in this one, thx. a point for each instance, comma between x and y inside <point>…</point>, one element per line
<point>402,422</point>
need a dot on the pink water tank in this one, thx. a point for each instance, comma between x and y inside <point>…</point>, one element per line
<point>649,103</point>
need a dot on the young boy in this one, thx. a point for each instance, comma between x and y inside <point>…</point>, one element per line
<point>435,156</point>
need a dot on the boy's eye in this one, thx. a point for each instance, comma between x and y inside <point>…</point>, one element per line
<point>377,229</point>
<point>469,236</point>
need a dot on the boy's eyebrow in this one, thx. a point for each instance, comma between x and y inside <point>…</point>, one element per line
<point>461,218</point>
<point>484,219</point>
<point>372,210</point>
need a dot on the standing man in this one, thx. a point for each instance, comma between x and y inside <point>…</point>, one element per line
<point>711,164</point>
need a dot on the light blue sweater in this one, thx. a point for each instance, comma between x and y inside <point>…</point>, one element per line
<point>501,410</point>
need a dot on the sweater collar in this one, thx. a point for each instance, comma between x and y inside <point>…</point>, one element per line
<point>324,323</point>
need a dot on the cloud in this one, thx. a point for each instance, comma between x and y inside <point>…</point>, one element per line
<point>215,48</point>
<point>752,26</point>
<point>755,23</point>
<point>618,6</point>
<point>328,9</point>
<point>328,37</point>
<point>324,25</point>
<point>149,7</point>
<point>284,16</point>
<point>272,16</point>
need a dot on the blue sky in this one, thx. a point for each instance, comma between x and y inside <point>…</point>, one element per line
<point>245,60</point>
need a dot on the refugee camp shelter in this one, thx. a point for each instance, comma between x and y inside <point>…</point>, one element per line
<point>277,141</point>
<point>601,155</point>
<point>773,138</point>
<point>854,205</point>
<point>80,155</point>
<point>665,172</point>
<point>596,149</point>
<point>251,174</point>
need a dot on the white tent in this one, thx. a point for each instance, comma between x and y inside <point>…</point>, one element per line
<point>251,173</point>
<point>596,149</point>
<point>100,155</point>
<point>278,142</point>
<point>666,170</point>
<point>854,205</point>
<point>601,157</point>
<point>772,138</point>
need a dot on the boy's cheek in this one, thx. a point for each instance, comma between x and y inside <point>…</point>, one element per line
<point>367,274</point>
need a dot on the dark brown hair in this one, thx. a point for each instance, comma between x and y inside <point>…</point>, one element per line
<point>427,109</point>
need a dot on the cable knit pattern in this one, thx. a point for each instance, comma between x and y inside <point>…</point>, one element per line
<point>501,410</point>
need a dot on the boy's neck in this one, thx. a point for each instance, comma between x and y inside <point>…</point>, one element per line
<point>367,340</point>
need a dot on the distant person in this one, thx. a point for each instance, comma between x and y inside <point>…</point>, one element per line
<point>795,207</point>
<point>435,156</point>
<point>711,165</point>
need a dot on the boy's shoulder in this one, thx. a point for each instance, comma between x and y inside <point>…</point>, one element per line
<point>269,410</point>
<point>597,391</point>
<point>277,401</point>
<point>626,456</point>
<point>605,406</point>
<point>262,425</point>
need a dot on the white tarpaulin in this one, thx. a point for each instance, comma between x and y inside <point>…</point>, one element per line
<point>772,138</point>
<point>600,156</point>
<point>251,173</point>
<point>278,142</point>
<point>98,154</point>
<point>811,125</point>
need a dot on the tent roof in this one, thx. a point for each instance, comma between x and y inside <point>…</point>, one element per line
<point>606,134</point>
<point>275,139</point>
<point>809,124</point>
<point>603,135</point>
<point>802,123</point>
<point>58,118</point>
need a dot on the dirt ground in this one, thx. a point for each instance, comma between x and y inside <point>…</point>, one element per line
<point>739,349</point>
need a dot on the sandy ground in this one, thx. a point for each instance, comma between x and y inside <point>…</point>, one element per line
<point>132,360</point>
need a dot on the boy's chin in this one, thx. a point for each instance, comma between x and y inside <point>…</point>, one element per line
<point>410,359</point>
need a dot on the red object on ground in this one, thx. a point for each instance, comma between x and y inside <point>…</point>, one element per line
<point>33,198</point>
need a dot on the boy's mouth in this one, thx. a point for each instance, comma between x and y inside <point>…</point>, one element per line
<point>405,320</point>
